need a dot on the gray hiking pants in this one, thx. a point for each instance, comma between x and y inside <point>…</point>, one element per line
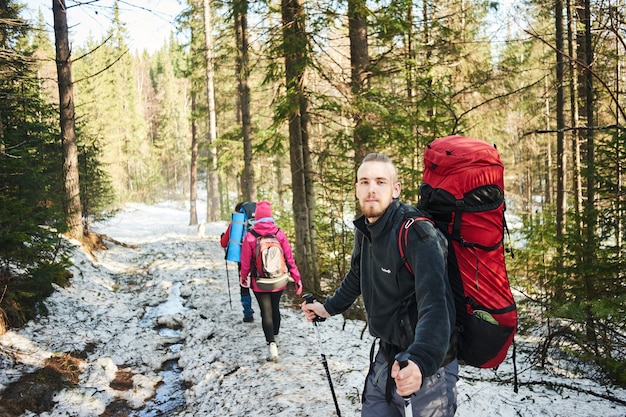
<point>436,397</point>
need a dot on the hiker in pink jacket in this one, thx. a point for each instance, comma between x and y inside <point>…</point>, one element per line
<point>267,294</point>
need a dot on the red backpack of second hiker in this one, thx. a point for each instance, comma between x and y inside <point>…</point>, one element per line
<point>463,191</point>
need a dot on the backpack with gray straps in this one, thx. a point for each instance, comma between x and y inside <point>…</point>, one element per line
<point>268,262</point>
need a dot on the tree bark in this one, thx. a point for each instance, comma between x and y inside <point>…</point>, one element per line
<point>295,46</point>
<point>213,202</point>
<point>574,117</point>
<point>248,187</point>
<point>615,17</point>
<point>67,120</point>
<point>561,157</point>
<point>548,157</point>
<point>360,60</point>
<point>359,82</point>
<point>590,209</point>
<point>193,174</point>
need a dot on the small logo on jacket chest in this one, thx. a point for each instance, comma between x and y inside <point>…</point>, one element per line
<point>387,271</point>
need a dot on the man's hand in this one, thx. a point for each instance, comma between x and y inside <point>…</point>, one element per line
<point>408,379</point>
<point>314,309</point>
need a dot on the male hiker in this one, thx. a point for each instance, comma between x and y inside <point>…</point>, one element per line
<point>411,313</point>
<point>246,298</point>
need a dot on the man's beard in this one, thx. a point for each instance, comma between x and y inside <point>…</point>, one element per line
<point>372,210</point>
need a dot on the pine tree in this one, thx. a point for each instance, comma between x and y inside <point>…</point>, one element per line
<point>32,215</point>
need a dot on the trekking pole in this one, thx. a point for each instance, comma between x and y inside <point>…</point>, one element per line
<point>230,301</point>
<point>403,360</point>
<point>308,298</point>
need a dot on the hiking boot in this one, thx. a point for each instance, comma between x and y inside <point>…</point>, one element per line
<point>273,352</point>
<point>248,319</point>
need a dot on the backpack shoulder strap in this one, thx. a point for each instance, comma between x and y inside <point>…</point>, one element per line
<point>410,219</point>
<point>255,252</point>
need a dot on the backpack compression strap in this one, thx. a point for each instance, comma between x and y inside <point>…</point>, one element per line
<point>403,238</point>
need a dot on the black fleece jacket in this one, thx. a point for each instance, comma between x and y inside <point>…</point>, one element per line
<point>413,312</point>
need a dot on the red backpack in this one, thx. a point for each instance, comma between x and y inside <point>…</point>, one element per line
<point>462,192</point>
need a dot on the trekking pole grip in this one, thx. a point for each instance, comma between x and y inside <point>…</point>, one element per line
<point>403,360</point>
<point>309,299</point>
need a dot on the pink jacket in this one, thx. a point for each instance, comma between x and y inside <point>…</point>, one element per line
<point>249,246</point>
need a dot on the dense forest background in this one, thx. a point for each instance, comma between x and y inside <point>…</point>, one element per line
<point>282,100</point>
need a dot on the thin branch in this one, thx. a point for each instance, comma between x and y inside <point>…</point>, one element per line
<point>551,385</point>
<point>103,69</point>
<point>585,67</point>
<point>578,128</point>
<point>81,3</point>
<point>94,49</point>
<point>498,97</point>
<point>577,389</point>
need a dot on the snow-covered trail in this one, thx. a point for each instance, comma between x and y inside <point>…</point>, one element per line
<point>103,314</point>
<point>224,359</point>
<point>135,309</point>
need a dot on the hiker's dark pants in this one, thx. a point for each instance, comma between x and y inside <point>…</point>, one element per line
<point>436,397</point>
<point>246,299</point>
<point>269,303</point>
<point>246,302</point>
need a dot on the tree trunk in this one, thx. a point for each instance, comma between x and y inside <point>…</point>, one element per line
<point>590,209</point>
<point>574,118</point>
<point>619,195</point>
<point>295,50</point>
<point>309,174</point>
<point>248,187</point>
<point>193,174</point>
<point>548,159</point>
<point>67,120</point>
<point>561,158</point>
<point>359,83</point>
<point>359,60</point>
<point>411,71</point>
<point>213,202</point>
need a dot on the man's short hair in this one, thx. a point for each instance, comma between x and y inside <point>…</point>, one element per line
<point>379,157</point>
